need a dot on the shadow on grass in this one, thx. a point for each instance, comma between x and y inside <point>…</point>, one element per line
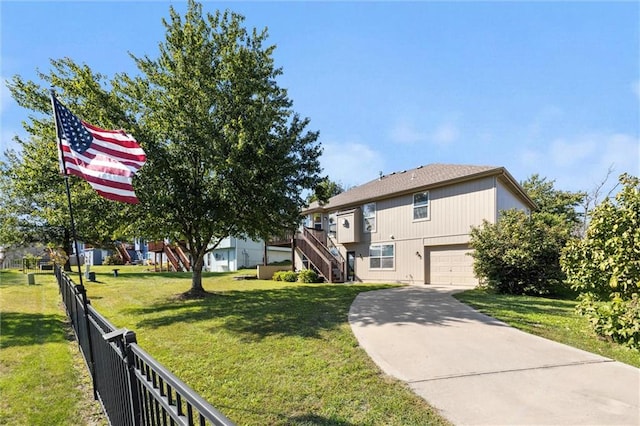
<point>154,275</point>
<point>315,420</point>
<point>299,311</point>
<point>23,329</point>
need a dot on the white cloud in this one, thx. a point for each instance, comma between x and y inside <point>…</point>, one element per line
<point>566,153</point>
<point>623,152</point>
<point>350,163</point>
<point>405,132</point>
<point>445,134</point>
<point>579,162</point>
<point>530,156</point>
<point>548,117</point>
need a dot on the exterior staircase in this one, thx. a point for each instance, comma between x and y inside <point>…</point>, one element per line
<point>313,245</point>
<point>124,253</point>
<point>175,255</point>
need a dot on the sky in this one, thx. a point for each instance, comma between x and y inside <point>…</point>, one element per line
<point>542,87</point>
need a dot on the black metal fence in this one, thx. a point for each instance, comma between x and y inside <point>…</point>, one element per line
<point>133,388</point>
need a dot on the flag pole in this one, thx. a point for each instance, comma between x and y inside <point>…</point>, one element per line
<point>63,169</point>
<point>83,291</point>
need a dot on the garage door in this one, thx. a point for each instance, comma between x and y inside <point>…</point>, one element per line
<point>450,265</point>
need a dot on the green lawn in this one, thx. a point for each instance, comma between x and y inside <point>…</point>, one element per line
<point>43,380</point>
<point>554,319</point>
<point>262,352</point>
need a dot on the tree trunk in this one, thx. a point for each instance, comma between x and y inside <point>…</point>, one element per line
<point>196,290</point>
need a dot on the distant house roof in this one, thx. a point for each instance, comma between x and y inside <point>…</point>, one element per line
<point>420,178</point>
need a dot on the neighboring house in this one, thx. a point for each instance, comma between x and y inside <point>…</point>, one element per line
<point>235,253</point>
<point>135,253</point>
<point>408,227</point>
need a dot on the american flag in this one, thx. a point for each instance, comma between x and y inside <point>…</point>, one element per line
<point>107,159</point>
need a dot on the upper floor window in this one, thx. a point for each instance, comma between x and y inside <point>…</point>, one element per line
<point>421,206</point>
<point>333,224</point>
<point>381,256</point>
<point>369,217</point>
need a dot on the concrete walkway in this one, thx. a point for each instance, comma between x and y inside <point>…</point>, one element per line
<point>479,371</point>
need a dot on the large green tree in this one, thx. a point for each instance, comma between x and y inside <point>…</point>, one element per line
<point>227,155</point>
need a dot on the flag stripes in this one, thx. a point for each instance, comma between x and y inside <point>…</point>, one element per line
<point>106,159</point>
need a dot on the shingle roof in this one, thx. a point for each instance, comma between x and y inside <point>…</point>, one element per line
<point>423,177</point>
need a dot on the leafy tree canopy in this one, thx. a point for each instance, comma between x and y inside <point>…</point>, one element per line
<point>226,153</point>
<point>325,190</point>
<point>558,205</point>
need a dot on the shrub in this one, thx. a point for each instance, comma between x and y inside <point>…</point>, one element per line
<point>288,276</point>
<point>519,254</point>
<point>280,263</point>
<point>308,276</point>
<point>605,269</point>
<point>617,320</point>
<point>113,259</point>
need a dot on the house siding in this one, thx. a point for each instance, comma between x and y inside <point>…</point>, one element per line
<point>471,201</point>
<point>459,198</point>
<point>507,200</point>
<point>237,253</point>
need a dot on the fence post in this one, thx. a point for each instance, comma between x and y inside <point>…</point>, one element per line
<point>129,338</point>
<point>92,363</point>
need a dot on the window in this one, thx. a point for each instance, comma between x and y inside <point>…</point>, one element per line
<point>421,206</point>
<point>369,217</point>
<point>333,219</point>
<point>381,256</point>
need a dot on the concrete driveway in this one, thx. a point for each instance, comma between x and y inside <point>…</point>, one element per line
<point>479,371</point>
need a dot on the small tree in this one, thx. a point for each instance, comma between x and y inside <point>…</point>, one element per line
<point>519,254</point>
<point>605,265</point>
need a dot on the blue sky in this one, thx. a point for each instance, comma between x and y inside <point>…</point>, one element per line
<point>537,87</point>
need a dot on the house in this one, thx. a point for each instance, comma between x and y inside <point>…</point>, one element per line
<point>236,253</point>
<point>410,227</point>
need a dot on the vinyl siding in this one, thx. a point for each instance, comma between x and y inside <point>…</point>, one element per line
<point>452,212</point>
<point>507,200</point>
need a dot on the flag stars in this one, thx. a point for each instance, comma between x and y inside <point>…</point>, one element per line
<point>78,138</point>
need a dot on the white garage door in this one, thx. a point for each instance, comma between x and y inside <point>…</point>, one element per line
<point>450,265</point>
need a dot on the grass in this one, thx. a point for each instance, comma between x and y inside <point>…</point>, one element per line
<point>262,352</point>
<point>43,380</point>
<point>554,319</point>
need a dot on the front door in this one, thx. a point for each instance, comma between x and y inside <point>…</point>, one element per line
<point>351,266</point>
